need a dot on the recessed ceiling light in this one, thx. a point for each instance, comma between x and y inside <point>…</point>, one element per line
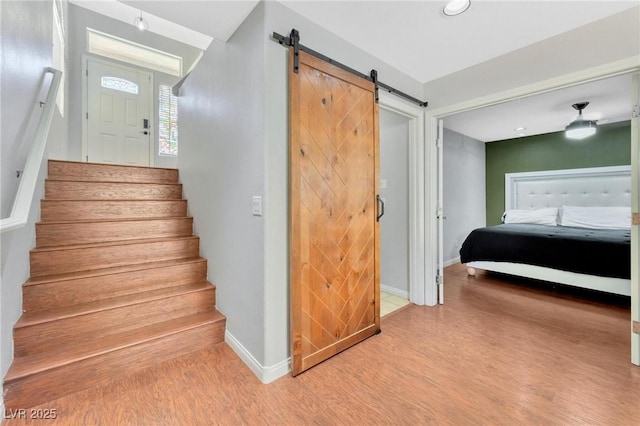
<point>519,129</point>
<point>456,7</point>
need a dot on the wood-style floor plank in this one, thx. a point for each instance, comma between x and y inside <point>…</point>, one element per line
<point>499,352</point>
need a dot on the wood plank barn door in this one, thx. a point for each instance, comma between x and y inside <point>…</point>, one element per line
<point>334,233</point>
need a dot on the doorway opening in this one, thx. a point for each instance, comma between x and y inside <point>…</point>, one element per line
<point>394,225</point>
<point>590,75</point>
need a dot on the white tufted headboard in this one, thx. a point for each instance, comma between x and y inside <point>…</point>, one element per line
<point>591,187</point>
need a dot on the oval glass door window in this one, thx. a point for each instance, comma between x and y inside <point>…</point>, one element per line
<point>120,84</point>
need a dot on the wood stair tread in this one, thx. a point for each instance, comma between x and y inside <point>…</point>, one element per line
<point>114,180</point>
<point>111,200</point>
<point>44,279</point>
<point>74,208</point>
<point>39,317</point>
<point>123,166</point>
<point>110,182</point>
<point>33,364</point>
<point>123,219</point>
<point>112,243</point>
<point>114,200</point>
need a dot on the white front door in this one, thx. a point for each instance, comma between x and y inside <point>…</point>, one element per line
<point>118,114</point>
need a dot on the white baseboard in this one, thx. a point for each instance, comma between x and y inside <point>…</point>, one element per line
<point>264,374</point>
<point>395,291</point>
<point>451,261</point>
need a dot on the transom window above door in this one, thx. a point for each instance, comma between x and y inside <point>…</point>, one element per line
<point>117,48</point>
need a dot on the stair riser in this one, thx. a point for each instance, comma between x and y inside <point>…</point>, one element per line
<point>58,334</point>
<point>49,385</point>
<point>83,290</point>
<point>109,173</point>
<point>73,190</point>
<point>54,210</point>
<point>58,234</point>
<point>66,260</point>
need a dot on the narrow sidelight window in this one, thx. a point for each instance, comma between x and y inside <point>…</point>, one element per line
<point>168,121</point>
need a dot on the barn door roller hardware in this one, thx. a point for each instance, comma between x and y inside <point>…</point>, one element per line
<point>294,41</point>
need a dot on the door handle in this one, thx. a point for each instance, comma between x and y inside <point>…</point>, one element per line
<point>380,207</point>
<point>144,132</point>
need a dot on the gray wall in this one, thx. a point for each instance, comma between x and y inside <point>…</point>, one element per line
<point>221,165</point>
<point>282,20</point>
<point>26,51</point>
<point>464,190</point>
<point>26,37</point>
<point>394,225</point>
<point>234,144</point>
<point>79,20</point>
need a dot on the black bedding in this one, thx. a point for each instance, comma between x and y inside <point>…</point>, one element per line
<point>602,252</point>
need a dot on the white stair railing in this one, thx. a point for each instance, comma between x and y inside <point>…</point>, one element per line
<point>26,187</point>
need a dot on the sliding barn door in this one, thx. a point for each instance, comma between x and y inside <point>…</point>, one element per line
<point>335,289</point>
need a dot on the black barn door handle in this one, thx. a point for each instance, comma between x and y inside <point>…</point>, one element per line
<point>380,205</point>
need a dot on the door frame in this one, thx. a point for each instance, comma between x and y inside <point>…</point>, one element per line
<point>635,229</point>
<point>85,103</point>
<point>624,66</point>
<point>418,285</point>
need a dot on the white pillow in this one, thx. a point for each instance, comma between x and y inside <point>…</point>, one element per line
<point>597,217</point>
<point>546,216</point>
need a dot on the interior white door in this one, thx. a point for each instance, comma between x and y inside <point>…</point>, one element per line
<point>635,232</point>
<point>440,213</point>
<point>118,114</point>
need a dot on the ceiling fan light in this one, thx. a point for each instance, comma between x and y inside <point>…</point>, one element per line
<point>456,7</point>
<point>580,128</point>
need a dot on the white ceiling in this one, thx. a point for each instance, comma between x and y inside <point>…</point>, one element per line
<point>195,23</point>
<point>417,39</point>
<point>216,18</point>
<point>609,102</point>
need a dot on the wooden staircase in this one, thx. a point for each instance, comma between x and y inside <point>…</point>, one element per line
<point>117,283</point>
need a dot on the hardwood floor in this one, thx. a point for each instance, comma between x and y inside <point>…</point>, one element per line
<point>498,352</point>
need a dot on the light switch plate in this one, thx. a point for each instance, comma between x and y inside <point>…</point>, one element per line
<point>256,205</point>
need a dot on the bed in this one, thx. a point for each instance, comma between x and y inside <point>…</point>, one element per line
<point>597,258</point>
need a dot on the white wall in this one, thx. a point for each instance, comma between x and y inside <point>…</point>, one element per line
<point>26,36</point>
<point>394,225</point>
<point>79,20</point>
<point>234,144</point>
<point>26,51</point>
<point>464,191</point>
<point>221,166</point>
<point>276,286</point>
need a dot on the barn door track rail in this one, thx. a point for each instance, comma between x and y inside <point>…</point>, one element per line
<point>294,41</point>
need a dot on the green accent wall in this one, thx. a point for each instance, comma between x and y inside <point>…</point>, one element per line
<point>610,146</point>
